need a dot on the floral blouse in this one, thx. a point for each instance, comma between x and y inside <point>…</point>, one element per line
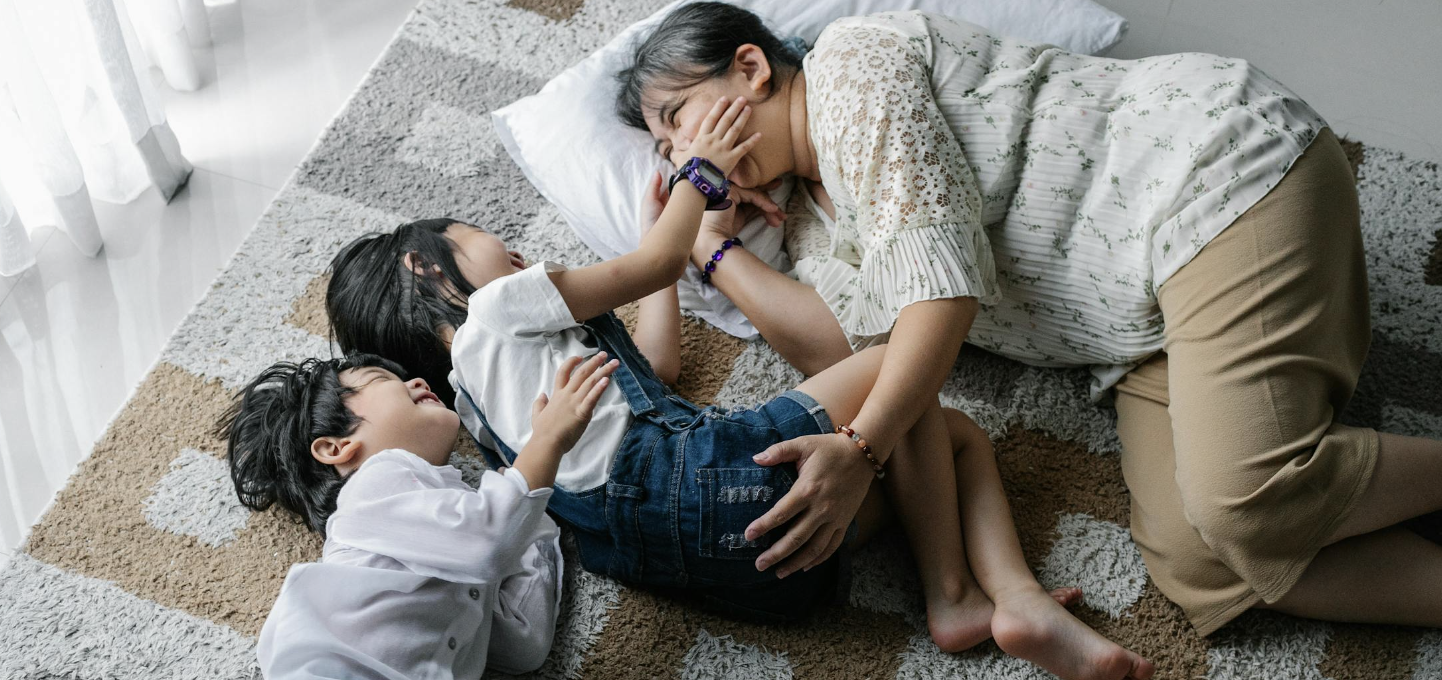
<point>1059,189</point>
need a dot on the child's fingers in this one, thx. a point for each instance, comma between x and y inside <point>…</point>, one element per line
<point>709,122</point>
<point>588,404</point>
<point>734,131</point>
<point>729,116</point>
<point>745,147</point>
<point>563,373</point>
<point>601,373</point>
<point>584,371</point>
<point>539,405</point>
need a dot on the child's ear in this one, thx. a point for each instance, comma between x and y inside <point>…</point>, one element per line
<point>413,262</point>
<point>751,62</point>
<point>334,450</point>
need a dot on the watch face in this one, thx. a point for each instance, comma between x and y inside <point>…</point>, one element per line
<point>710,174</point>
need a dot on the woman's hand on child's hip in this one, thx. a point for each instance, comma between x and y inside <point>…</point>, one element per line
<point>561,418</point>
<point>833,480</point>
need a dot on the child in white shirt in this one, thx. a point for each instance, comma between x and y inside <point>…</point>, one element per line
<point>693,500</point>
<point>420,575</point>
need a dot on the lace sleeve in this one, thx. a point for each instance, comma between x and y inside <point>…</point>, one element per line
<point>916,209</point>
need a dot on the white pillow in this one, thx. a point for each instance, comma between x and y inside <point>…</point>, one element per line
<point>570,124</point>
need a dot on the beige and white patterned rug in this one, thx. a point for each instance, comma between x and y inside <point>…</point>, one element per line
<point>146,567</point>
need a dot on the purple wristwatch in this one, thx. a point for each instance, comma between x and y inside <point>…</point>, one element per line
<point>709,180</point>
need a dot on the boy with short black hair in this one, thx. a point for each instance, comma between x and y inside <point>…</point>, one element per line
<point>420,574</point>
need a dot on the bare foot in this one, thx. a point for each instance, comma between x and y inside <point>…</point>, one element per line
<point>960,623</point>
<point>1032,625</point>
<point>1066,597</point>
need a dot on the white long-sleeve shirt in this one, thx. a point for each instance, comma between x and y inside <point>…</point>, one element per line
<point>421,577</point>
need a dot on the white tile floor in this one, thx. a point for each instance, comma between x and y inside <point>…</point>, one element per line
<point>80,333</point>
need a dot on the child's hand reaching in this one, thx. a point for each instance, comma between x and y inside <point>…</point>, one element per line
<point>716,138</point>
<point>561,419</point>
<point>558,421</point>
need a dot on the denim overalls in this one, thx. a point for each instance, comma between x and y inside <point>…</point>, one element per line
<point>682,489</point>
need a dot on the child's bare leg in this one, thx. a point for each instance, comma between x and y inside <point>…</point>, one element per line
<point>1028,623</point>
<point>920,486</point>
<point>874,516</point>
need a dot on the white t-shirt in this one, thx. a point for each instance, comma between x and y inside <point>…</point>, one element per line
<point>421,576</point>
<point>516,335</point>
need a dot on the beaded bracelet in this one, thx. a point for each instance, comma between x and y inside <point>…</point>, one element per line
<point>865,448</point>
<point>716,257</point>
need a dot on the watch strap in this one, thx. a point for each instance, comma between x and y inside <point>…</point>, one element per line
<point>715,195</point>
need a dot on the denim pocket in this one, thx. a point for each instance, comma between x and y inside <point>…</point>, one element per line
<point>731,499</point>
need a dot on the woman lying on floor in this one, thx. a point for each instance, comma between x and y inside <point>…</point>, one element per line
<point>1183,224</point>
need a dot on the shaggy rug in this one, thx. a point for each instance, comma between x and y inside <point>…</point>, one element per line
<point>146,566</point>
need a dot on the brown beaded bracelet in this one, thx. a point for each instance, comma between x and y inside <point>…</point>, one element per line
<point>865,448</point>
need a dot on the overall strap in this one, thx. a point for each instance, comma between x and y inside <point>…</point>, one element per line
<point>578,510</point>
<point>645,393</point>
<point>634,377</point>
<point>496,458</point>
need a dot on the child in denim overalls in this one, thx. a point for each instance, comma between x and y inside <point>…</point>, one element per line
<point>660,492</point>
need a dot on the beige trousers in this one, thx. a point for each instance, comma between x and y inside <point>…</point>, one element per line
<point>1238,471</point>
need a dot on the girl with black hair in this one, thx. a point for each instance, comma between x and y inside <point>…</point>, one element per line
<point>666,494</point>
<point>1184,225</point>
<point>420,575</point>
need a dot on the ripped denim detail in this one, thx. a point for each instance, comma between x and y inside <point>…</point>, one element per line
<point>744,494</point>
<point>737,542</point>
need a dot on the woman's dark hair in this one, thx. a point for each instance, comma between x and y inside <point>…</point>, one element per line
<point>270,428</point>
<point>693,44</point>
<point>378,306</point>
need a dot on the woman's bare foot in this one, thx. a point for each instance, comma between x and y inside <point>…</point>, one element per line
<point>1031,625</point>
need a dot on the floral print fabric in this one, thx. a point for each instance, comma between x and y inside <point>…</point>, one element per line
<point>1060,189</point>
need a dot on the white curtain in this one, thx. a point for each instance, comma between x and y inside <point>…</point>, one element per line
<point>79,119</point>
